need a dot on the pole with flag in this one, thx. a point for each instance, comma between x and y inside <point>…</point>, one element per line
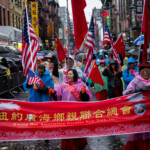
<point>60,50</point>
<point>146,28</point>
<point>91,70</point>
<point>119,46</point>
<point>79,21</point>
<point>30,45</point>
<point>109,38</point>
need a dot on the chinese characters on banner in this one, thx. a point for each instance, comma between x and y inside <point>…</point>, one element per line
<point>53,120</point>
<point>34,14</point>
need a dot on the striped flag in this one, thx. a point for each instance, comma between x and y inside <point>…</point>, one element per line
<point>107,35</point>
<point>108,38</point>
<point>34,79</point>
<point>90,42</point>
<point>30,46</point>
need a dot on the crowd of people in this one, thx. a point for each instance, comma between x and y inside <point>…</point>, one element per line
<point>65,82</point>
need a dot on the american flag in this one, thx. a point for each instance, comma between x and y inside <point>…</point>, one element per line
<point>108,38</point>
<point>90,42</point>
<point>30,46</point>
<point>107,35</point>
<point>34,79</point>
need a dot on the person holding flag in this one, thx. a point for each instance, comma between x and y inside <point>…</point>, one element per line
<point>72,89</point>
<point>114,75</point>
<point>69,64</point>
<point>38,84</point>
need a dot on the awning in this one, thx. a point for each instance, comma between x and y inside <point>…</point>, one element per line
<point>4,36</point>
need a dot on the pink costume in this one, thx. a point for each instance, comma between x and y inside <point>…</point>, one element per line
<point>137,83</point>
<point>64,95</point>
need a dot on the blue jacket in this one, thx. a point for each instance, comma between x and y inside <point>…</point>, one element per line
<point>127,76</point>
<point>98,59</point>
<point>37,96</point>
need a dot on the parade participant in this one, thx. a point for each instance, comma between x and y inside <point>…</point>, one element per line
<point>122,68</point>
<point>127,76</point>
<point>70,64</point>
<point>114,75</point>
<point>72,89</point>
<point>38,61</point>
<point>141,82</point>
<point>50,63</point>
<point>124,63</point>
<point>40,94</point>
<point>101,57</point>
<point>46,64</point>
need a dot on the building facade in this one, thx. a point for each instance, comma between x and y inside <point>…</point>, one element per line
<point>5,13</point>
<point>125,18</point>
<point>48,21</point>
<point>16,11</point>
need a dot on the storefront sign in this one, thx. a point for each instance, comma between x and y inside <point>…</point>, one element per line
<point>34,14</point>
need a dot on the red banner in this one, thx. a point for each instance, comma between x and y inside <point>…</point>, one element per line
<point>53,120</point>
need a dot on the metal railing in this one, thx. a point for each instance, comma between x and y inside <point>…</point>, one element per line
<point>11,82</point>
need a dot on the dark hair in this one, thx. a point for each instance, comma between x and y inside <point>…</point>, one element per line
<point>41,66</point>
<point>75,74</point>
<point>116,65</point>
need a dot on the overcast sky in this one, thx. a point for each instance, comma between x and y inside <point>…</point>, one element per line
<point>88,10</point>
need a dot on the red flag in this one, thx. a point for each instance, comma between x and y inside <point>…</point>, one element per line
<point>79,21</point>
<point>146,29</point>
<point>95,75</point>
<point>119,46</point>
<point>60,50</point>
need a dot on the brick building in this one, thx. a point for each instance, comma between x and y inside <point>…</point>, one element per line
<point>4,12</point>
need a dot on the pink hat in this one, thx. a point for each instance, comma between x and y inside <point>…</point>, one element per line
<point>102,62</point>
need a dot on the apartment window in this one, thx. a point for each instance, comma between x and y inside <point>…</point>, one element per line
<point>8,17</point>
<point>0,16</point>
<point>16,22</point>
<point>4,17</point>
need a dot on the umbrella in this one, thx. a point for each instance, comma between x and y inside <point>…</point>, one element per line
<point>49,55</point>
<point>3,50</point>
<point>139,40</point>
<point>39,55</point>
<point>10,55</point>
<point>133,52</point>
<point>81,56</point>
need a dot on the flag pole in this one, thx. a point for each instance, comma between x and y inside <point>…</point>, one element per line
<point>140,48</point>
<point>68,32</point>
<point>32,67</point>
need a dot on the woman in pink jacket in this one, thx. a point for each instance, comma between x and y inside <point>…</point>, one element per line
<point>141,82</point>
<point>72,89</point>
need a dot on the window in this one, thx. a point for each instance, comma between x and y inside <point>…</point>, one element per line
<point>13,20</point>
<point>8,17</point>
<point>4,17</point>
<point>16,22</point>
